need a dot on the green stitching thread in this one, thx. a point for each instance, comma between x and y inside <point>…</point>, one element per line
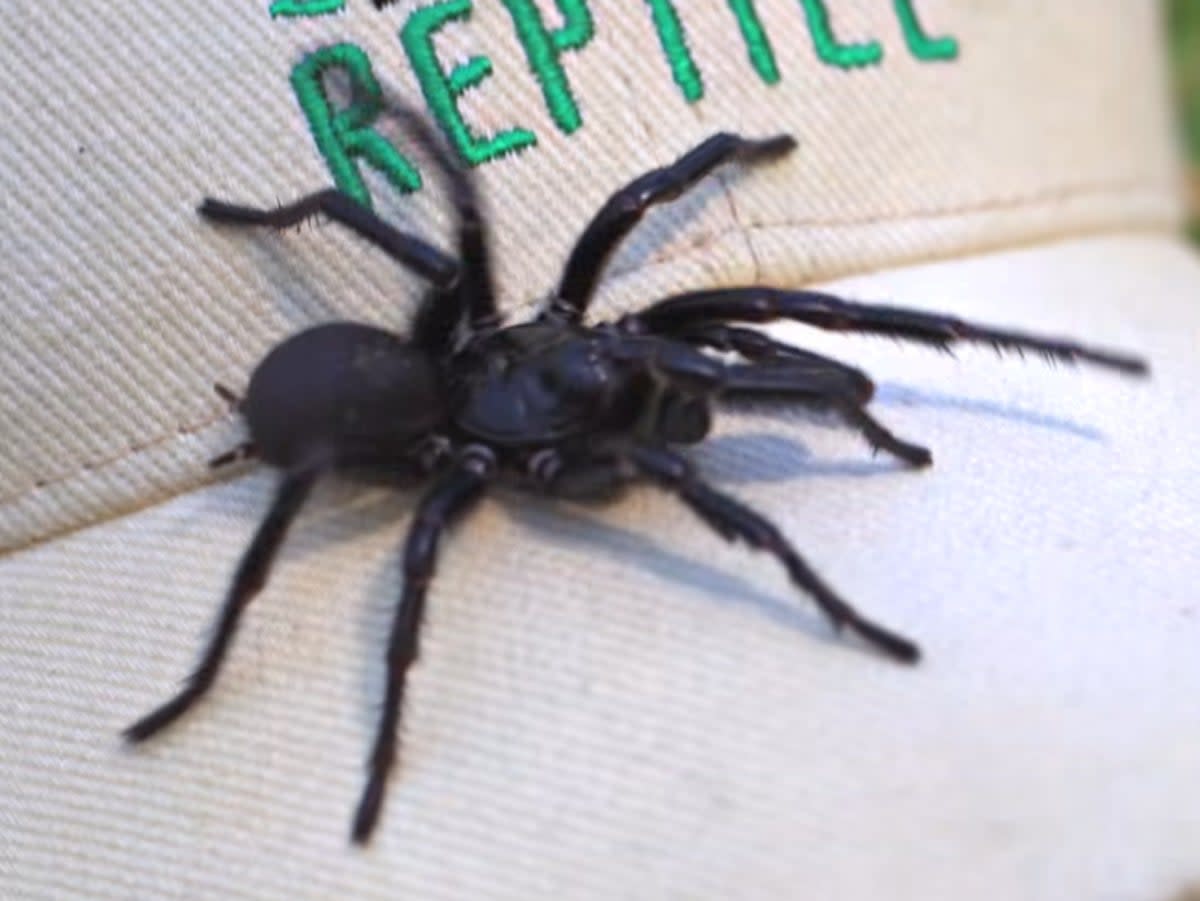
<point>345,134</point>
<point>442,89</point>
<point>670,34</point>
<point>757,42</point>
<point>844,56</point>
<point>462,78</point>
<point>345,138</point>
<point>290,9</point>
<point>577,28</point>
<point>919,43</point>
<point>543,48</point>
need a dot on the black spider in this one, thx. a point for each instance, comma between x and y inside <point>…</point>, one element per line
<point>563,408</point>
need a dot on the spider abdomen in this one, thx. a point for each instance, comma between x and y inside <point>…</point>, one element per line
<point>356,394</point>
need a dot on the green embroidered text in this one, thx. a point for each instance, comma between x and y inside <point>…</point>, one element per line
<point>346,134</point>
<point>670,35</point>
<point>442,89</point>
<point>921,45</point>
<point>757,42</point>
<point>293,9</point>
<point>829,49</point>
<point>544,49</point>
<point>346,138</point>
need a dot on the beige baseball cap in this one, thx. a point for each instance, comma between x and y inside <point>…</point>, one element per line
<point>611,702</point>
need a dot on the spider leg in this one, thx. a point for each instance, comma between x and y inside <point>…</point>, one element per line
<point>563,477</point>
<point>696,373</point>
<point>409,250</point>
<point>733,521</point>
<point>473,295</point>
<point>757,347</point>
<point>250,577</point>
<point>729,518</point>
<point>453,496</point>
<point>592,475</point>
<point>764,304</point>
<point>625,208</point>
<point>828,388</point>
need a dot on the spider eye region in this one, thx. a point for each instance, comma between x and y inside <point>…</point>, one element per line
<point>575,373</point>
<point>548,391</point>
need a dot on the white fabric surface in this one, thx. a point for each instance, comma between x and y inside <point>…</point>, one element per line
<point>122,306</point>
<point>617,705</point>
<point>613,703</point>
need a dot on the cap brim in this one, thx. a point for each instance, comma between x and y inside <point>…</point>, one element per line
<point>615,703</point>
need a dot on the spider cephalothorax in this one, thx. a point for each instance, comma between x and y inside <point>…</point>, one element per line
<point>554,405</point>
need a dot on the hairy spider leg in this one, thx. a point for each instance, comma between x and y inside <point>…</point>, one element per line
<point>626,207</point>
<point>463,288</point>
<point>449,499</point>
<point>593,475</point>
<point>728,517</point>
<point>757,347</point>
<point>827,388</point>
<point>825,311</point>
<point>733,520</point>
<point>474,293</point>
<point>407,249</point>
<point>251,575</point>
<point>697,373</point>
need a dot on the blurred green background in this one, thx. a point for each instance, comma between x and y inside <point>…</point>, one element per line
<point>1183,32</point>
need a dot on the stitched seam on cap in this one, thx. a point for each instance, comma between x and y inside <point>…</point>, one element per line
<point>1016,202</point>
<point>692,250</point>
<point>131,450</point>
<point>699,246</point>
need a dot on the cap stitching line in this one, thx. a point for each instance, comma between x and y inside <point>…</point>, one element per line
<point>442,88</point>
<point>740,228</point>
<point>692,248</point>
<point>708,239</point>
<point>130,450</point>
<point>1015,202</point>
